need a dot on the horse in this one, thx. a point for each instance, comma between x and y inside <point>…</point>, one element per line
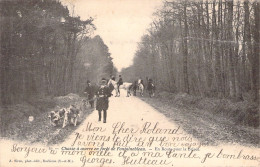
<point>115,86</point>
<point>141,88</point>
<point>128,86</point>
<point>138,83</point>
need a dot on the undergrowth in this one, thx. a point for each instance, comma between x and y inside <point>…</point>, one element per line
<point>15,122</point>
<point>244,113</point>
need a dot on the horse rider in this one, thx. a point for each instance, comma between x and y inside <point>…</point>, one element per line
<point>119,83</point>
<point>109,84</point>
<point>139,81</point>
<point>90,91</point>
<point>141,87</point>
<point>103,94</point>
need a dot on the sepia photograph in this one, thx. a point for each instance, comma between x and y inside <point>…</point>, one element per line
<point>110,83</point>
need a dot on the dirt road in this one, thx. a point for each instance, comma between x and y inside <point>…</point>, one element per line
<point>135,134</point>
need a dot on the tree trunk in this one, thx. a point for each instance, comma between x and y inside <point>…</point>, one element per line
<point>185,52</point>
<point>248,41</point>
<point>255,65</point>
<point>231,50</point>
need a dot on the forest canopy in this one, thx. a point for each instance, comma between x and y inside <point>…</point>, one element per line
<point>203,48</point>
<point>45,51</point>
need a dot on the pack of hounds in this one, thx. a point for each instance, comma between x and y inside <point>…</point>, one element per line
<point>64,116</point>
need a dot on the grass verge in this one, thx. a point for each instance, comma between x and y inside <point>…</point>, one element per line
<point>15,124</point>
<point>212,121</point>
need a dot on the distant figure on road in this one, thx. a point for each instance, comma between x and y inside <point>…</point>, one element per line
<point>151,87</point>
<point>103,94</point>
<point>90,92</point>
<point>119,83</point>
<point>135,86</point>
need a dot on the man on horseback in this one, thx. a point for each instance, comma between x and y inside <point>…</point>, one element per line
<point>141,87</point>
<point>110,84</point>
<point>119,83</point>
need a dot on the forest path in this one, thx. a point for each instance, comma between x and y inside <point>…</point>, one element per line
<point>123,141</point>
<point>133,113</point>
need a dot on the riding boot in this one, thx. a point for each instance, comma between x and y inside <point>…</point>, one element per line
<point>104,116</point>
<point>99,115</point>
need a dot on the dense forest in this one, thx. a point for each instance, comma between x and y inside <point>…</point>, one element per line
<point>204,48</point>
<point>44,51</point>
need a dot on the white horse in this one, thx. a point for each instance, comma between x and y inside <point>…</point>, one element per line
<point>128,87</point>
<point>140,86</point>
<point>114,83</point>
<point>138,82</point>
<point>141,89</point>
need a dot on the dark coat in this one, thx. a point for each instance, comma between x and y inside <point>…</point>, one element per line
<point>102,98</point>
<point>90,90</point>
<point>135,85</point>
<point>120,81</point>
<point>150,86</point>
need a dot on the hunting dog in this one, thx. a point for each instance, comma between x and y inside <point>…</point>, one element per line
<point>64,115</point>
<point>71,116</point>
<point>57,116</point>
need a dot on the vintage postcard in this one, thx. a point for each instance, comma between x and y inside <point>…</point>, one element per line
<point>109,83</point>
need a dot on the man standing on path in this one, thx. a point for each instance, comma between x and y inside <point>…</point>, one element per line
<point>90,91</point>
<point>103,94</point>
<point>119,83</point>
